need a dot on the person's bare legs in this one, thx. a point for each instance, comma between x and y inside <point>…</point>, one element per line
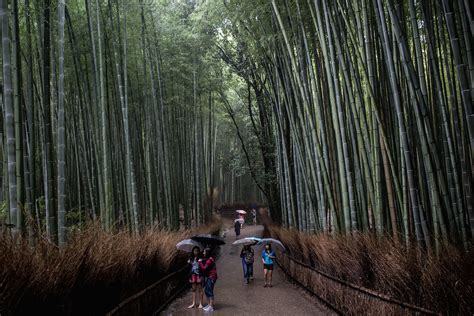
<point>265,272</point>
<point>270,275</point>
<point>193,290</point>
<point>201,295</point>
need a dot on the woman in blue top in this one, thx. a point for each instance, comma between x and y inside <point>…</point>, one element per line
<point>268,256</point>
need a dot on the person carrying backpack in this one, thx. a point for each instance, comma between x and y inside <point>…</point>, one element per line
<point>247,255</point>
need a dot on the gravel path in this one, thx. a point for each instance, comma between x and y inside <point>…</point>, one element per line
<point>234,297</point>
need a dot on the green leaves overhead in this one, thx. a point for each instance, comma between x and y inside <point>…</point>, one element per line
<point>369,112</point>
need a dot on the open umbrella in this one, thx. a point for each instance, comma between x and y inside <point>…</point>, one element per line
<point>254,238</point>
<point>271,241</point>
<point>241,212</point>
<point>188,245</point>
<point>209,239</point>
<point>246,241</point>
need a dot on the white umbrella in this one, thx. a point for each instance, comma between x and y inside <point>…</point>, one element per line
<point>271,241</point>
<point>241,212</point>
<point>254,238</point>
<point>245,241</point>
<point>188,245</point>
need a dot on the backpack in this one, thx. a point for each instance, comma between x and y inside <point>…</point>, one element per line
<point>249,257</point>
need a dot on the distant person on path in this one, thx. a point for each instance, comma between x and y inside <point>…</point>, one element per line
<point>209,268</point>
<point>254,216</point>
<point>237,227</point>
<point>195,278</point>
<point>247,256</point>
<point>268,256</point>
<point>242,220</point>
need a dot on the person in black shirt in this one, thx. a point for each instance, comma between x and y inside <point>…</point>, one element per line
<point>237,226</point>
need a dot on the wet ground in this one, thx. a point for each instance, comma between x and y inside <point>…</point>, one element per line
<point>234,297</point>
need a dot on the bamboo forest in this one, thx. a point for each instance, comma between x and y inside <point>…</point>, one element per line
<point>147,143</point>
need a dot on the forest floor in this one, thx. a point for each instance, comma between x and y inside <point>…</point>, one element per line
<point>235,297</point>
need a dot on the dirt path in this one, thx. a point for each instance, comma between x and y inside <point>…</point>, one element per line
<point>234,297</point>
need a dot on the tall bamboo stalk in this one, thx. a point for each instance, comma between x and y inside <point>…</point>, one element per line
<point>61,130</point>
<point>9,115</point>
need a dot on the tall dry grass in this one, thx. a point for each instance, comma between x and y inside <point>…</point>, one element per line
<point>442,283</point>
<point>93,273</point>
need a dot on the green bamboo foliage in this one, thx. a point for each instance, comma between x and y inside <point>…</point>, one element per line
<point>343,116</point>
<point>372,103</point>
<point>110,126</point>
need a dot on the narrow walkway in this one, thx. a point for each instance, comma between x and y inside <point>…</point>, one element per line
<point>234,297</point>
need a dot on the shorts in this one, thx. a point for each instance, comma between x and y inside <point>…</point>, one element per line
<point>268,266</point>
<point>195,278</point>
<point>209,288</point>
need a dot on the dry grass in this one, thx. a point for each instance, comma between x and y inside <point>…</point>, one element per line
<point>94,272</point>
<point>443,283</point>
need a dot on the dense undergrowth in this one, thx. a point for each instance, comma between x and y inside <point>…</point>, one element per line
<point>93,273</point>
<point>442,283</point>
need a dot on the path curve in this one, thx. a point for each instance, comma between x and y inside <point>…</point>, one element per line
<point>234,297</point>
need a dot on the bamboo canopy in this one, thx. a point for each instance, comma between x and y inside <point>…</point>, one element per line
<point>109,114</point>
<point>370,108</point>
<point>341,116</point>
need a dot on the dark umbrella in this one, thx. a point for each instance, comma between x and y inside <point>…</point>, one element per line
<point>209,239</point>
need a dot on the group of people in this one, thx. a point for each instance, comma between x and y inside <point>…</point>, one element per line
<point>268,256</point>
<point>203,272</point>
<point>203,277</point>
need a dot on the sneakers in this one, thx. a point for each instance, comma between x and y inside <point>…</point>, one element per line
<point>200,306</point>
<point>265,285</point>
<point>208,309</point>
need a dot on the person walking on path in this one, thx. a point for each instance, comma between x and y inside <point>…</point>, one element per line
<point>254,216</point>
<point>237,227</point>
<point>247,256</point>
<point>268,256</point>
<point>209,268</point>
<point>195,278</point>
<point>241,220</point>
